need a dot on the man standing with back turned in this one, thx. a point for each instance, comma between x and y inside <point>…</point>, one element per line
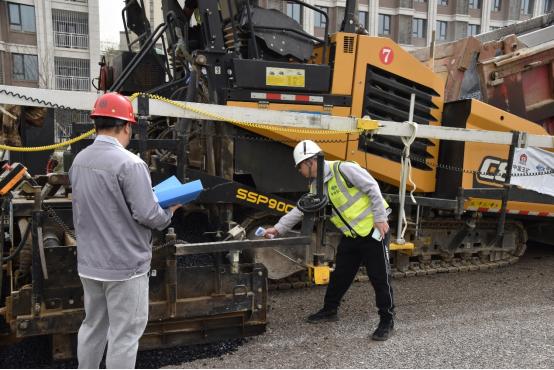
<point>359,212</point>
<point>114,209</point>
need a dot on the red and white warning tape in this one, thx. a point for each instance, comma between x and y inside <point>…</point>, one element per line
<point>287,97</point>
<point>513,212</point>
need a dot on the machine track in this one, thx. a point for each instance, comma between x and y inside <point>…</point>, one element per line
<point>434,252</point>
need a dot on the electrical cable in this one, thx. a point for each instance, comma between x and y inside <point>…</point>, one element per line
<point>311,203</point>
<point>20,246</point>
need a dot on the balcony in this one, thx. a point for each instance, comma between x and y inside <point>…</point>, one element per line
<point>70,40</point>
<point>72,83</point>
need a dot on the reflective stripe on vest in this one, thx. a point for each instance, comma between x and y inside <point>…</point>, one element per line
<point>353,205</point>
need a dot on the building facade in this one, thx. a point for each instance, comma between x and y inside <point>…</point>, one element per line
<point>51,44</point>
<point>411,23</point>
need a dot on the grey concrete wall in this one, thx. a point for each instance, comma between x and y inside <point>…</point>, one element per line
<point>461,6</point>
<point>514,9</point>
<point>404,29</point>
<point>406,3</point>
<point>389,3</point>
<point>457,30</point>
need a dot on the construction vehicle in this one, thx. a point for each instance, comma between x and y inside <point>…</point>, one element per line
<point>243,56</point>
<point>511,68</point>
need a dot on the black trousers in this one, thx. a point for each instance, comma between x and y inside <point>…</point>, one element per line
<point>351,253</point>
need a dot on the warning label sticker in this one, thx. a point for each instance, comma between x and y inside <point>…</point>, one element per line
<point>285,77</point>
<point>484,203</point>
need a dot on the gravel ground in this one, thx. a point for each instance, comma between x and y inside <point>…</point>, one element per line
<point>502,318</point>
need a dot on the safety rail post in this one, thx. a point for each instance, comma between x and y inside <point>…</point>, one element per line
<point>507,186</point>
<point>460,198</point>
<point>318,256</point>
<point>37,278</point>
<point>143,111</point>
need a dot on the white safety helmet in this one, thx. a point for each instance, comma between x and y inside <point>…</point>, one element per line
<point>304,150</point>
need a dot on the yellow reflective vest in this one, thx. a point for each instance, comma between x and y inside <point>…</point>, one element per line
<point>352,208</point>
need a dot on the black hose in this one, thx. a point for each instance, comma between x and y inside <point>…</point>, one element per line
<point>2,262</point>
<point>311,203</point>
<point>24,238</point>
<point>5,204</point>
<point>20,246</point>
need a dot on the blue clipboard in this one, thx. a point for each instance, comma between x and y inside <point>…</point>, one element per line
<point>168,183</point>
<point>178,194</point>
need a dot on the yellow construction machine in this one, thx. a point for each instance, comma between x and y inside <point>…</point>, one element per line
<point>210,274</point>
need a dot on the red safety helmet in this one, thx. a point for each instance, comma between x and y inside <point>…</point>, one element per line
<point>113,105</point>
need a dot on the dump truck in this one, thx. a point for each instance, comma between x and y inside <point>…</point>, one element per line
<point>195,80</point>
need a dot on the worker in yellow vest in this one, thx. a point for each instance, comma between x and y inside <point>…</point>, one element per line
<point>360,213</point>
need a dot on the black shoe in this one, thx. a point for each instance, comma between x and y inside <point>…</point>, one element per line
<point>384,330</point>
<point>323,315</point>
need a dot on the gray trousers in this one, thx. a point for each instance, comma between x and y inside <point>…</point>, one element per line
<point>116,315</point>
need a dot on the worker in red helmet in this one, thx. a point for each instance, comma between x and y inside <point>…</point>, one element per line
<point>114,210</point>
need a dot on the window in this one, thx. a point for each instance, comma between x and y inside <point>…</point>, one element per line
<point>72,74</point>
<point>419,27</point>
<point>362,18</point>
<point>548,6</point>
<point>419,1</point>
<point>525,7</point>
<point>473,29</point>
<point>384,24</point>
<point>294,11</point>
<point>441,30</point>
<point>25,67</point>
<point>474,4</point>
<point>442,2</point>
<point>496,5</point>
<point>22,17</point>
<point>70,29</point>
<point>319,20</point>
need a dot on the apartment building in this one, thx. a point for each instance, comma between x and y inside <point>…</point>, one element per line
<point>51,44</point>
<point>411,23</point>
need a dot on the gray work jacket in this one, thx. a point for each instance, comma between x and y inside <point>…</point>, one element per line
<point>114,209</point>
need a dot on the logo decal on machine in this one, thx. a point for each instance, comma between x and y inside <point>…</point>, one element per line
<point>493,170</point>
<point>386,55</point>
<point>523,159</point>
<point>263,200</point>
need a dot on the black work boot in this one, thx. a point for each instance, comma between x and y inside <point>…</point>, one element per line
<point>384,330</point>
<point>323,315</point>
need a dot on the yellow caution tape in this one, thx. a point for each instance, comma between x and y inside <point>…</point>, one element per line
<point>47,147</point>
<point>257,125</point>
